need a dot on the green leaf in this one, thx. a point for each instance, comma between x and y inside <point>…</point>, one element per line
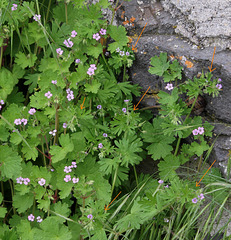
<point>22,203</point>
<point>24,230</point>
<point>174,73</point>
<point>119,34</point>
<point>30,151</point>
<point>160,64</point>
<point>198,148</point>
<point>25,60</point>
<point>62,209</point>
<point>4,134</point>
<point>59,153</point>
<point>10,162</point>
<point>94,87</point>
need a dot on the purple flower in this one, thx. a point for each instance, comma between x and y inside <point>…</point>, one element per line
<point>92,66</point>
<point>90,216</point>
<point>53,132</point>
<point>31,217</point>
<point>19,180</point>
<point>105,134</point>
<point>75,180</point>
<point>26,181</point>
<point>77,60</point>
<point>24,121</point>
<point>100,145</point>
<point>68,43</point>
<point>121,53</point>
<point>90,71</point>
<point>96,36</point>
<point>160,181</point>
<point>127,53</point>
<point>67,178</point>
<point>106,53</point>
<point>219,80</point>
<point>126,100</point>
<point>48,94</point>
<point>201,196</point>
<point>195,132</point>
<point>17,121</point>
<point>39,219</point>
<point>194,200</point>
<point>166,220</point>
<point>70,95</point>
<point>124,110</point>
<point>200,130</point>
<point>169,86</point>
<point>219,86</point>
<point>52,170</point>
<point>99,106</point>
<point>166,186</point>
<point>54,82</point>
<point>67,169</point>
<point>14,7</point>
<point>32,111</point>
<point>2,102</point>
<point>0,107</point>
<point>37,17</point>
<point>117,49</point>
<point>42,182</point>
<point>102,31</point>
<point>73,165</point>
<point>59,51</point>
<point>64,125</point>
<point>73,33</point>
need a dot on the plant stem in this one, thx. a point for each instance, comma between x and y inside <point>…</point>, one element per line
<point>114,179</point>
<point>124,72</point>
<point>1,54</point>
<point>48,10</point>
<point>12,193</point>
<point>2,191</point>
<point>66,12</point>
<point>137,183</point>
<point>179,139</point>
<point>56,124</point>
<point>43,150</point>
<point>113,15</point>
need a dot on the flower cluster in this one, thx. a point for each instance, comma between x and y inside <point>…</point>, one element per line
<point>219,86</point>
<point>68,169</point>
<point>68,43</point>
<point>42,182</point>
<point>31,218</point>
<point>19,121</point>
<point>21,180</point>
<point>201,196</point>
<point>96,36</point>
<point>68,179</point>
<point>169,86</point>
<point>200,131</point>
<point>32,111</point>
<point>48,94</point>
<point>70,94</point>
<point>1,103</point>
<point>37,17</point>
<point>53,132</point>
<point>91,69</point>
<point>14,7</point>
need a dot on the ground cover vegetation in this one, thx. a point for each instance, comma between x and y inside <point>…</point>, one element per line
<point>71,140</point>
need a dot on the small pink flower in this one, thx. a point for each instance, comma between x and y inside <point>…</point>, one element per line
<point>48,94</point>
<point>77,60</point>
<point>64,125</point>
<point>122,53</point>
<point>68,43</point>
<point>195,132</point>
<point>73,164</point>
<point>26,181</point>
<point>14,7</point>
<point>32,111</point>
<point>75,180</point>
<point>90,71</point>
<point>219,86</point>
<point>59,51</point>
<point>194,200</point>
<point>96,36</point>
<point>67,178</point>
<point>200,130</point>
<point>17,121</point>
<point>90,216</point>
<point>67,169</point>
<point>54,82</point>
<point>73,33</point>
<point>124,110</point>
<point>160,181</point>
<point>99,106</point>
<point>19,180</point>
<point>31,217</point>
<point>42,182</point>
<point>201,196</point>
<point>24,121</point>
<point>105,134</point>
<point>100,145</point>
<point>92,66</point>
<point>37,17</point>
<point>39,219</point>
<point>2,102</point>
<point>127,53</point>
<point>169,86</point>
<point>103,31</point>
<point>53,132</point>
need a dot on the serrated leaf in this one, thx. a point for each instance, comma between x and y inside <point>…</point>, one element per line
<point>160,64</point>
<point>93,88</point>
<point>198,148</point>
<point>10,162</point>
<point>25,60</point>
<point>22,203</point>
